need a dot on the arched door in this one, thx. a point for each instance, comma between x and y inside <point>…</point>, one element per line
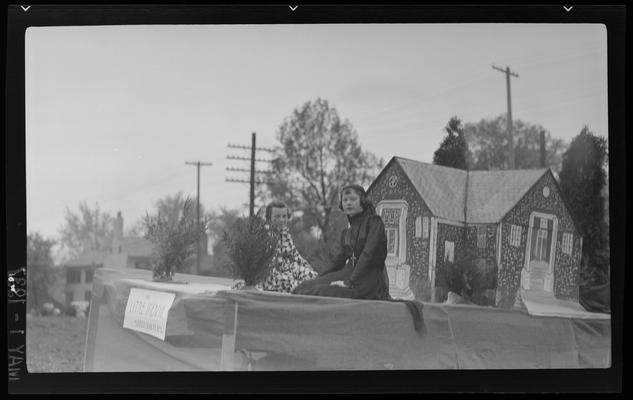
<point>394,217</point>
<point>538,270</point>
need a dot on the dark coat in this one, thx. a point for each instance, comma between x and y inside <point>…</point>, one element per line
<point>365,239</point>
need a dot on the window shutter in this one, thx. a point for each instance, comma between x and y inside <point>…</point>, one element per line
<point>425,228</point>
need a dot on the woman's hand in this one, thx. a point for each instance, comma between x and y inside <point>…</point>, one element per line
<point>338,283</point>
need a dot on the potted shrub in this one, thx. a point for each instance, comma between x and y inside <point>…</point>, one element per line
<point>250,246</point>
<point>473,279</point>
<point>176,240</point>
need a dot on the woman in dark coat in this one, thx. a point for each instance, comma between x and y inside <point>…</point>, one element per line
<point>358,271</point>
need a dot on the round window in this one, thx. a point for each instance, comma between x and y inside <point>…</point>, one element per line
<point>546,191</point>
<point>393,181</point>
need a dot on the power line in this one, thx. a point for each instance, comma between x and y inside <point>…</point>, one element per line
<point>253,149</point>
<point>247,159</point>
<point>247,181</point>
<point>236,146</point>
<point>248,170</point>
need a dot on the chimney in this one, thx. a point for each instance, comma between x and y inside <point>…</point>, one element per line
<point>118,226</point>
<point>543,153</point>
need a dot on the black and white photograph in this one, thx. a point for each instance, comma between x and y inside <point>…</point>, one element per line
<point>317,197</point>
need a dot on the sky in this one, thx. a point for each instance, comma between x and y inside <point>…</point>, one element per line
<point>114,112</point>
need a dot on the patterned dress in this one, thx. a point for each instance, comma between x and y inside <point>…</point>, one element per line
<point>289,268</point>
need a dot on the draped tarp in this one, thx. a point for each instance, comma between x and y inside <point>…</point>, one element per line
<point>284,332</point>
<point>596,298</point>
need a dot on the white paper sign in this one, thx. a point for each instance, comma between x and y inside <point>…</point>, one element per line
<point>147,310</point>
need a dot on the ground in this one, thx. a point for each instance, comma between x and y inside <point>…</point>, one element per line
<point>55,344</point>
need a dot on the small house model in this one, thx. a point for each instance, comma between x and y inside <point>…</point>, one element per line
<point>513,220</point>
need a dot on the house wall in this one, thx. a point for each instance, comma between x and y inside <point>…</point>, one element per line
<point>485,257</point>
<point>566,268</point>
<point>80,288</point>
<point>489,253</point>
<point>57,290</point>
<point>509,273</point>
<point>417,248</point>
<point>455,234</point>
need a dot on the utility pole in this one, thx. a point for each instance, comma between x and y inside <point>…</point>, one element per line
<point>510,138</point>
<point>198,164</point>
<point>253,181</point>
<point>542,149</point>
<point>251,207</point>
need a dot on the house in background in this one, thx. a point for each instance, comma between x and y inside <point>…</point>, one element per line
<point>79,274</point>
<point>128,251</point>
<point>123,252</point>
<point>513,220</point>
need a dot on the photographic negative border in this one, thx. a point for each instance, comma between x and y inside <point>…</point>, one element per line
<point>20,381</point>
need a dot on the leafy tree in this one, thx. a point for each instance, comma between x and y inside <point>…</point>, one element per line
<point>218,222</point>
<point>488,141</point>
<point>583,181</point>
<point>318,154</point>
<point>453,152</point>
<point>250,244</point>
<point>176,235</point>
<point>86,229</point>
<point>172,206</point>
<point>40,272</point>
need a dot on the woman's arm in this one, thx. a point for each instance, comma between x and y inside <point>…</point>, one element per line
<point>375,239</point>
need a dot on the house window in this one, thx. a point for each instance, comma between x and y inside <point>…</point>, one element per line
<point>540,246</point>
<point>515,235</point>
<point>481,236</point>
<point>425,227</point>
<point>568,239</point>
<point>449,251</point>
<point>87,295</point>
<point>89,275</point>
<point>73,276</point>
<point>391,219</point>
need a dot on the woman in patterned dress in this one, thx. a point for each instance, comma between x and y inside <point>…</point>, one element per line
<point>289,268</point>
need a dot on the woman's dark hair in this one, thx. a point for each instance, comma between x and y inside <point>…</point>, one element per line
<point>276,204</point>
<point>365,203</point>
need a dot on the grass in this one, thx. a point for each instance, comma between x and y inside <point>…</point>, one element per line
<point>55,344</point>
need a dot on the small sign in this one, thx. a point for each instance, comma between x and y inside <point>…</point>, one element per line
<point>147,310</point>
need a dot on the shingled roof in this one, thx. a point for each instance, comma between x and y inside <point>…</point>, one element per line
<point>490,194</point>
<point>443,189</point>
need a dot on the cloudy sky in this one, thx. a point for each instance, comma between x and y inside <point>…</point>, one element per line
<point>114,112</point>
